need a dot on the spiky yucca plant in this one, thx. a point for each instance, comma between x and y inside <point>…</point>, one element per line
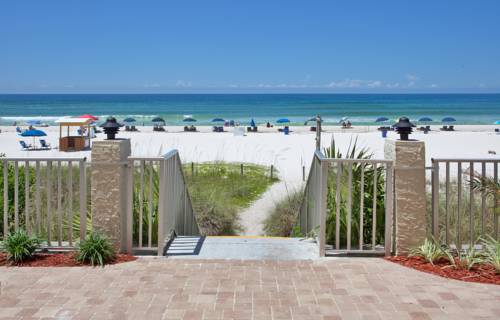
<point>491,252</point>
<point>429,250</point>
<point>20,246</point>
<point>95,250</point>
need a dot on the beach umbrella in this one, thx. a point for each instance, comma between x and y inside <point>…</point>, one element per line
<point>129,119</point>
<point>425,119</point>
<point>382,119</point>
<point>497,122</point>
<point>33,122</point>
<point>448,119</point>
<point>89,116</point>
<point>344,119</point>
<point>33,133</point>
<point>216,120</point>
<point>158,119</point>
<point>189,120</point>
<point>283,120</point>
<point>252,123</point>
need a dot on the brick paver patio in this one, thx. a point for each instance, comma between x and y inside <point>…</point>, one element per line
<point>347,288</point>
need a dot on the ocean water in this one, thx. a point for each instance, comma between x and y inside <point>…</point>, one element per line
<point>360,108</point>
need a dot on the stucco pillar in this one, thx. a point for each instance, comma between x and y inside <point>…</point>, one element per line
<point>409,192</point>
<point>108,188</point>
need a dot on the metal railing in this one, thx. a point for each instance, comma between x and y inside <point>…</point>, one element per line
<point>46,197</point>
<point>459,213</point>
<point>329,194</point>
<point>159,203</point>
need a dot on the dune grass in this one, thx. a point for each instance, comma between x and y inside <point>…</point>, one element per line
<point>283,219</point>
<point>219,190</point>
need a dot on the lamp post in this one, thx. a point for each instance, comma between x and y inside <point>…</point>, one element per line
<point>404,128</point>
<point>111,128</point>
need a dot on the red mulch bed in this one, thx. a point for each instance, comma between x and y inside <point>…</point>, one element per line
<point>480,273</point>
<point>58,260</point>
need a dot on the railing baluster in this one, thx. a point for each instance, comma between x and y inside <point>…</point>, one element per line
<point>83,200</point>
<point>361,205</point>
<point>459,205</point>
<point>27,224</point>
<point>447,204</point>
<point>337,205</point>
<point>59,205</point>
<point>389,206</point>
<point>435,200</point>
<point>49,201</point>
<point>150,212</point>
<point>16,195</point>
<point>495,202</point>
<point>130,207</point>
<point>38,200</point>
<point>70,203</point>
<point>374,209</point>
<point>483,200</point>
<point>141,201</point>
<point>471,205</point>
<point>349,205</point>
<point>5,199</point>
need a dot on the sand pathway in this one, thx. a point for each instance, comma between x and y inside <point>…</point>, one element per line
<point>252,218</point>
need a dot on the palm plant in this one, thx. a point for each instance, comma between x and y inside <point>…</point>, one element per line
<point>491,252</point>
<point>369,172</point>
<point>487,185</point>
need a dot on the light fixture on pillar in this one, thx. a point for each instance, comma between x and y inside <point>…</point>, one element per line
<point>111,128</point>
<point>404,128</point>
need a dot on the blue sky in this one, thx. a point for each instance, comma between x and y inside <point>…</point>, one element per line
<point>249,46</point>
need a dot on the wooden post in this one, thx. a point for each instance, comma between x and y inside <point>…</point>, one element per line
<point>241,169</point>
<point>303,173</point>
<point>272,169</point>
<point>192,168</point>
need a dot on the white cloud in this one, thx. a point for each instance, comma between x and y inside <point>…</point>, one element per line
<point>347,83</point>
<point>392,85</point>
<point>412,80</point>
<point>374,84</point>
<point>433,86</point>
<point>151,85</point>
<point>183,84</point>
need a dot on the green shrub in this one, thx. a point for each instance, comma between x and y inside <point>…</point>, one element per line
<point>465,259</point>
<point>491,252</point>
<point>283,217</point>
<point>95,250</point>
<point>20,246</point>
<point>430,251</point>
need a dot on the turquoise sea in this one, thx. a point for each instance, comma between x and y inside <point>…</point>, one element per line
<point>360,108</point>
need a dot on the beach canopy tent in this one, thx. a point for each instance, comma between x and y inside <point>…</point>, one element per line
<point>129,120</point>
<point>88,116</point>
<point>448,119</point>
<point>424,119</point>
<point>381,119</point>
<point>218,120</point>
<point>33,122</point>
<point>74,142</point>
<point>33,133</point>
<point>283,120</point>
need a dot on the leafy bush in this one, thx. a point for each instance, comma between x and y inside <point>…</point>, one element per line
<point>353,152</point>
<point>430,251</point>
<point>491,252</point>
<point>465,259</point>
<point>283,218</point>
<point>20,246</point>
<point>95,250</point>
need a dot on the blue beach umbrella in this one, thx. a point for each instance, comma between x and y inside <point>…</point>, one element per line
<point>189,120</point>
<point>425,119</point>
<point>252,123</point>
<point>448,119</point>
<point>33,133</point>
<point>215,120</point>
<point>497,122</point>
<point>129,120</point>
<point>158,119</point>
<point>382,119</point>
<point>283,120</point>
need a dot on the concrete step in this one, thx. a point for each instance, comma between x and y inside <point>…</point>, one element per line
<point>242,248</point>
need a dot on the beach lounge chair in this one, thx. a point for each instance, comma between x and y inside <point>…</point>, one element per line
<point>127,128</point>
<point>45,145</point>
<point>497,130</point>
<point>444,128</point>
<point>451,128</point>
<point>133,128</point>
<point>25,146</point>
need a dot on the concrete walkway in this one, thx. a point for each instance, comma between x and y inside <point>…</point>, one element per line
<point>244,248</point>
<point>163,288</point>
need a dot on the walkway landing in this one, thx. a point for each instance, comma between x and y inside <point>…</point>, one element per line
<point>243,248</point>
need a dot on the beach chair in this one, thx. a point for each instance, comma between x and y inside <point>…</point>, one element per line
<point>18,130</point>
<point>451,128</point>
<point>127,128</point>
<point>133,128</point>
<point>497,131</point>
<point>45,145</point>
<point>25,146</point>
<point>444,128</point>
